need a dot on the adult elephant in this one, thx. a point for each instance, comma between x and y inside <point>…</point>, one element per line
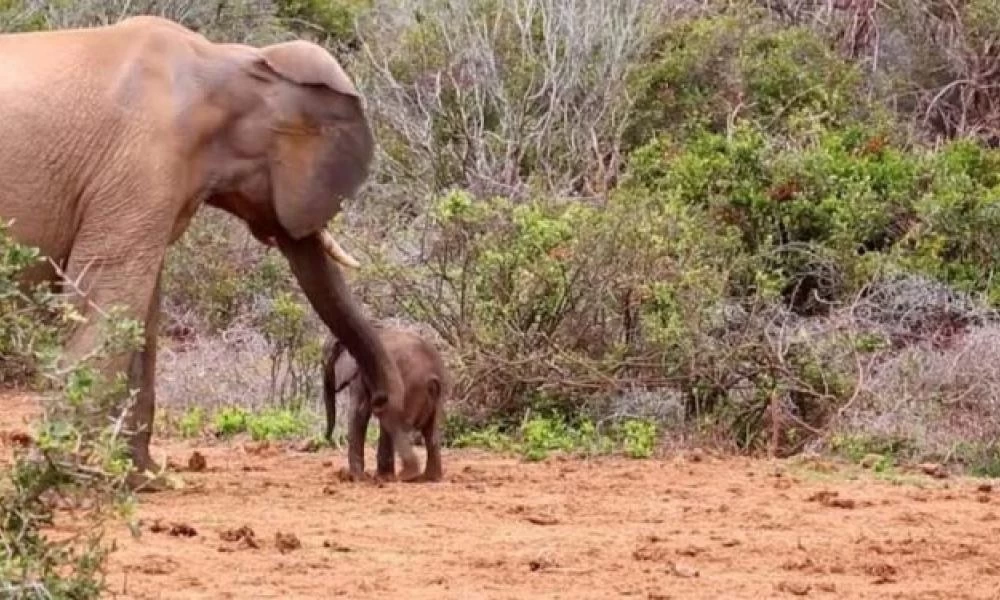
<point>112,137</point>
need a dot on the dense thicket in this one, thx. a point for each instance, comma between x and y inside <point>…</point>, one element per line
<point>753,218</point>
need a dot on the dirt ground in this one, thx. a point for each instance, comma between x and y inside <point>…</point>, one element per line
<point>689,526</point>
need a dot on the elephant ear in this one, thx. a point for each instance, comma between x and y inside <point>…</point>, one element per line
<point>434,388</point>
<point>315,164</point>
<point>345,368</point>
<point>306,63</point>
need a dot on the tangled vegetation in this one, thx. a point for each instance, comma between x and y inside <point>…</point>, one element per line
<point>769,224</point>
<point>71,468</point>
<point>738,220</point>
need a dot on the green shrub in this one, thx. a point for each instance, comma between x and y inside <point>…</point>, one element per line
<point>548,299</point>
<point>230,420</point>
<point>296,351</point>
<point>28,316</point>
<point>824,216</point>
<point>638,437</point>
<point>268,424</point>
<point>192,422</point>
<point>332,20</point>
<point>73,453</point>
<point>210,275</point>
<point>707,70</point>
<point>954,219</point>
<point>277,424</point>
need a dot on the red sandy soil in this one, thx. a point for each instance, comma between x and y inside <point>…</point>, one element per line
<point>688,526</point>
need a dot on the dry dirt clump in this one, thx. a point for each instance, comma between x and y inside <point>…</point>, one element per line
<point>242,536</point>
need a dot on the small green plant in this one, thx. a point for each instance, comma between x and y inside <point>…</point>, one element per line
<point>856,447</point>
<point>192,422</point>
<point>270,424</point>
<point>277,424</point>
<point>490,438</point>
<point>638,437</point>
<point>230,421</point>
<point>539,436</point>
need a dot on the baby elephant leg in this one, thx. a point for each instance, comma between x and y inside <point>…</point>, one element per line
<point>385,459</point>
<point>360,412</point>
<point>393,423</point>
<point>432,432</point>
<point>432,441</point>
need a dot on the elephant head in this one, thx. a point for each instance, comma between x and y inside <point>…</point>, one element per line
<point>294,142</point>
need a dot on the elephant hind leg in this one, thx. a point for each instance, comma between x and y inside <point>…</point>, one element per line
<point>385,457</point>
<point>432,432</point>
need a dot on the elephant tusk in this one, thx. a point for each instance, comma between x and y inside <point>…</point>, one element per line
<point>336,252</point>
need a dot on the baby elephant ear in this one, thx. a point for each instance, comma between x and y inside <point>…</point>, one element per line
<point>306,63</point>
<point>434,388</point>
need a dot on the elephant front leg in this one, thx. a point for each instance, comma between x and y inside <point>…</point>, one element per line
<point>360,411</point>
<point>330,400</point>
<point>142,376</point>
<point>121,273</point>
<point>393,422</point>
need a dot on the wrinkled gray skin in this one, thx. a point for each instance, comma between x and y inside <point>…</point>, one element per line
<point>425,385</point>
<point>111,138</point>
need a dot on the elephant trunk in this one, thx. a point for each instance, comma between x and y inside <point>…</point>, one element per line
<point>324,286</point>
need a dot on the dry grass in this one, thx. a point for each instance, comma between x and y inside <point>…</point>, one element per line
<point>934,397</point>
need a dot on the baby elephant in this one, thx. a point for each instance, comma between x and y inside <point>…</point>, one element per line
<point>425,385</point>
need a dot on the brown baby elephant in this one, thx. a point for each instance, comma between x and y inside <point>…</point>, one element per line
<point>425,385</point>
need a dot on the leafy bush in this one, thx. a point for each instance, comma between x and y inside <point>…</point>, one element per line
<point>706,71</point>
<point>216,274</point>
<point>723,207</point>
<point>296,352</point>
<point>562,300</point>
<point>192,422</point>
<point>536,438</point>
<point>268,424</point>
<point>330,20</point>
<point>230,420</point>
<point>74,457</point>
<point>955,216</point>
<point>824,215</point>
<point>807,211</point>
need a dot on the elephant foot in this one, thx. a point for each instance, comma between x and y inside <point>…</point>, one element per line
<point>146,481</point>
<point>430,477</point>
<point>410,474</point>
<point>345,474</point>
<point>146,474</point>
<point>385,476</point>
